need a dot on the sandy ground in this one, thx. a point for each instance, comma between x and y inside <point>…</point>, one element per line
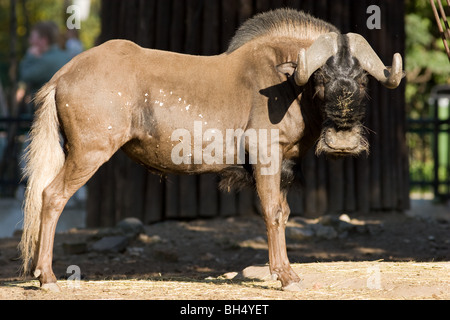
<point>323,281</point>
<point>401,256</point>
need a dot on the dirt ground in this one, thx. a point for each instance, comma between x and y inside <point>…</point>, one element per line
<point>399,257</point>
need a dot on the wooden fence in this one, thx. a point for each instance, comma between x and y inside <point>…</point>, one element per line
<point>366,184</point>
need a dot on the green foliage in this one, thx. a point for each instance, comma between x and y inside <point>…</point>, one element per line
<point>427,63</point>
<point>423,49</point>
<point>417,30</point>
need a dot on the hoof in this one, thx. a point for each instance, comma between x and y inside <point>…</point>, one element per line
<point>294,286</point>
<point>52,287</point>
<point>37,273</point>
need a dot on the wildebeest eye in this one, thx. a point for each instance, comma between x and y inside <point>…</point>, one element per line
<point>363,80</point>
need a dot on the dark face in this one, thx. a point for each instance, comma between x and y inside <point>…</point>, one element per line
<point>341,84</point>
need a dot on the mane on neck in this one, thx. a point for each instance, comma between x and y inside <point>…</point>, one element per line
<point>283,23</point>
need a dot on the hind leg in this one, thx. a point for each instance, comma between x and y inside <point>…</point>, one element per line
<point>77,170</point>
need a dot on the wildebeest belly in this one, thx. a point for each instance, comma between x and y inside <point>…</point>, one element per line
<point>174,143</point>
<point>169,156</point>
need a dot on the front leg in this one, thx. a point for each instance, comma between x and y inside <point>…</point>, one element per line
<point>276,212</point>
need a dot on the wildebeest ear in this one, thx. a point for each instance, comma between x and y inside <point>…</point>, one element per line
<point>287,68</point>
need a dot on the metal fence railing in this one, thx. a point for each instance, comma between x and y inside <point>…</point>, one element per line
<point>429,152</point>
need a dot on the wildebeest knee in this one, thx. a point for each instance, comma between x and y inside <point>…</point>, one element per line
<point>53,202</point>
<point>277,216</point>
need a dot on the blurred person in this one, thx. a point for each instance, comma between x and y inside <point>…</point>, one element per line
<point>43,58</point>
<point>73,44</point>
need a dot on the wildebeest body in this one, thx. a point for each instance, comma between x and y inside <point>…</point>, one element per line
<point>286,74</point>
<point>141,109</point>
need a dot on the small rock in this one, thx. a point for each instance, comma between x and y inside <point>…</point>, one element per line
<point>131,226</point>
<point>229,275</point>
<point>345,226</point>
<point>135,251</point>
<point>299,220</point>
<point>230,220</point>
<point>345,218</point>
<point>325,232</point>
<point>260,240</point>
<point>257,272</point>
<point>327,220</point>
<point>298,233</point>
<point>111,244</point>
<point>253,242</point>
<point>149,239</point>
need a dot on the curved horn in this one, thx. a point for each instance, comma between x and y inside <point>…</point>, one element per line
<point>315,57</point>
<point>369,60</point>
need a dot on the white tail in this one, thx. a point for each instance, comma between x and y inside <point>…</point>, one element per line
<point>44,159</point>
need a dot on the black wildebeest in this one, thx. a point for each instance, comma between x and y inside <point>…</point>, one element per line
<point>284,72</point>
